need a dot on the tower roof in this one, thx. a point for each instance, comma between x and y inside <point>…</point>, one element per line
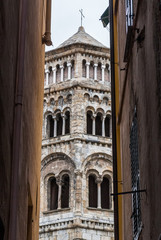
<point>81,37</point>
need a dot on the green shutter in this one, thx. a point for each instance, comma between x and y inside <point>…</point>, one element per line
<point>105,17</point>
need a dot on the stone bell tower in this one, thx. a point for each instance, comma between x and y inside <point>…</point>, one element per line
<point>76,165</point>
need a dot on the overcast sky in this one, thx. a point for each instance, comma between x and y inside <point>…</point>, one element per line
<point>66,20</point>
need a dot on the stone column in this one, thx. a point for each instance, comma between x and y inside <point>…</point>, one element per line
<point>78,194</point>
<point>55,126</point>
<point>54,74</point>
<point>63,125</point>
<point>103,126</point>
<point>47,77</point>
<point>103,73</point>
<point>87,69</point>
<point>98,181</point>
<point>95,71</point>
<point>94,124</point>
<point>62,73</point>
<point>69,65</point>
<point>59,183</point>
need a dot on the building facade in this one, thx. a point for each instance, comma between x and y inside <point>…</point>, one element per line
<point>136,42</point>
<point>76,166</point>
<point>22,25</point>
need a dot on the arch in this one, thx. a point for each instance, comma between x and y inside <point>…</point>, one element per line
<point>86,96</point>
<point>91,70</point>
<point>45,103</point>
<point>96,98</point>
<point>99,124</point>
<point>58,73</point>
<point>59,124</point>
<point>99,72</point>
<point>60,101</point>
<point>105,100</point>
<point>72,69</point>
<point>50,75</point>
<point>69,99</point>
<point>92,194</point>
<point>105,193</point>
<point>50,126</point>
<point>67,122</point>
<point>107,125</point>
<point>53,193</point>
<point>52,101</point>
<point>84,68</point>
<point>65,191</point>
<point>90,108</point>
<point>89,122</point>
<point>65,72</point>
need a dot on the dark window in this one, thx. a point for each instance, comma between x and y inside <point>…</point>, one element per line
<point>50,126</point>
<point>92,192</point>
<point>59,124</point>
<point>91,70</point>
<point>136,206</point>
<point>58,73</point>
<point>99,72</point>
<point>67,122</point>
<point>65,77</point>
<point>83,68</point>
<point>65,192</point>
<point>53,194</point>
<point>72,69</point>
<point>105,203</point>
<point>99,124</point>
<point>107,126</point>
<point>89,122</point>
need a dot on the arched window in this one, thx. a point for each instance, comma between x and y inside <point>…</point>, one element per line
<point>89,122</point>
<point>50,126</point>
<point>59,124</point>
<point>65,72</point>
<point>53,194</point>
<point>99,124</point>
<point>65,192</point>
<point>72,69</point>
<point>92,191</point>
<point>50,75</point>
<point>96,98</point>
<point>99,72</point>
<point>84,68</point>
<point>60,101</point>
<point>91,70</point>
<point>58,73</point>
<point>105,201</point>
<point>67,122</point>
<point>69,99</point>
<point>107,73</point>
<point>107,126</point>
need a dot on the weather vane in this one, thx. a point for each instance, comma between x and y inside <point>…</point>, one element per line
<point>81,11</point>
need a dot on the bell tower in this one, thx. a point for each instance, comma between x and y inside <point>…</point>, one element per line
<point>76,165</point>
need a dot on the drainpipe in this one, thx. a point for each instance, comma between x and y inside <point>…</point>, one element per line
<point>17,123</point>
<point>114,144</point>
<point>46,38</point>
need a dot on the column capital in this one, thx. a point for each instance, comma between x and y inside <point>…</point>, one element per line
<point>95,65</point>
<point>59,181</point>
<point>87,63</point>
<point>62,66</point>
<point>103,66</point>
<point>98,180</point>
<point>47,71</point>
<point>69,64</point>
<point>53,68</point>
<point>94,116</point>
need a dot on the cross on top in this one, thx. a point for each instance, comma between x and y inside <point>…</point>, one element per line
<point>81,11</point>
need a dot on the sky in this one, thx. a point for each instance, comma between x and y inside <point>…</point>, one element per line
<point>66,20</point>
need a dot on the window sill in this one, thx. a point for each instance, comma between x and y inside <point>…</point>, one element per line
<point>100,209</point>
<point>55,210</point>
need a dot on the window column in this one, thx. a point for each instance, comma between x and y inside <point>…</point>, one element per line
<point>94,124</point>
<point>47,76</point>
<point>62,72</point>
<point>99,181</point>
<point>63,125</point>
<point>54,74</point>
<point>103,126</point>
<point>55,126</point>
<point>69,65</point>
<point>103,73</point>
<point>87,69</point>
<point>59,183</point>
<point>95,71</point>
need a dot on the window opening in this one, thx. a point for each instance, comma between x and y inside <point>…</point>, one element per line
<point>107,126</point>
<point>59,124</point>
<point>53,194</point>
<point>65,192</point>
<point>105,203</point>
<point>67,122</point>
<point>92,191</point>
<point>89,122</point>
<point>99,124</point>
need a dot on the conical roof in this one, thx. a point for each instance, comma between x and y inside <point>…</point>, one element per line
<point>82,37</point>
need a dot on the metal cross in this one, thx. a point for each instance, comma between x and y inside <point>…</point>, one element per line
<point>81,11</point>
